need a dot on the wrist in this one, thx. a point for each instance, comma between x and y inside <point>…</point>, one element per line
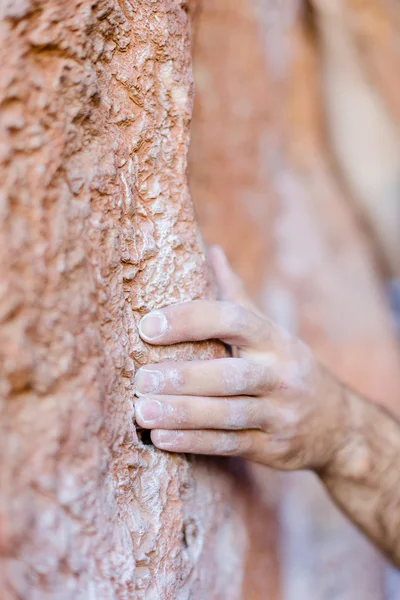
<point>350,455</point>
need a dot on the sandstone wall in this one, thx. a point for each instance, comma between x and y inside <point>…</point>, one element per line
<point>97,228</point>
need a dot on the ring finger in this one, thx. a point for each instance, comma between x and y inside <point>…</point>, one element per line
<point>220,377</point>
<point>194,412</point>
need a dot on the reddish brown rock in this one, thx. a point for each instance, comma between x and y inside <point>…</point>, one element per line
<point>97,228</point>
<point>267,187</point>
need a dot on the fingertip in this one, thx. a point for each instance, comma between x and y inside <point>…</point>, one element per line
<point>216,248</point>
<point>228,282</point>
<point>164,439</point>
<point>148,411</point>
<point>217,255</point>
<point>153,326</point>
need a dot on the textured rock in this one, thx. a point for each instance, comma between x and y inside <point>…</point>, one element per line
<point>96,228</point>
<point>267,188</point>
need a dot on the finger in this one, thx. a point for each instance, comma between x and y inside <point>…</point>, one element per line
<point>229,284</point>
<point>219,377</point>
<point>206,320</point>
<point>223,443</point>
<point>193,412</point>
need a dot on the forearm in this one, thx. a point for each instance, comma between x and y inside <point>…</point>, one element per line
<point>364,475</point>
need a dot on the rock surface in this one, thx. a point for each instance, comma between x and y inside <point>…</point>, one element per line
<point>97,228</point>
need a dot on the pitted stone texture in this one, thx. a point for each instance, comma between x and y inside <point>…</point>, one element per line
<point>97,228</point>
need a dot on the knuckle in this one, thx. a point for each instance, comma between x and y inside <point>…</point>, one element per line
<point>256,376</point>
<point>252,416</point>
<point>196,439</point>
<point>284,452</point>
<point>292,456</point>
<point>267,421</point>
<point>248,444</point>
<point>289,418</point>
<point>270,380</point>
<point>276,417</point>
<point>237,415</point>
<point>234,374</point>
<point>236,318</point>
<point>176,377</point>
<point>227,444</point>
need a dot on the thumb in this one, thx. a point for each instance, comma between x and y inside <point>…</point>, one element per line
<point>230,286</point>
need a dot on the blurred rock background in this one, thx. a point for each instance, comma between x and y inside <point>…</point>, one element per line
<point>295,171</point>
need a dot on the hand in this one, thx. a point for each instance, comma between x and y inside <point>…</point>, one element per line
<point>274,404</point>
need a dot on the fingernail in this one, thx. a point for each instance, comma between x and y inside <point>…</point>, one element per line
<point>167,438</point>
<point>153,325</point>
<point>147,381</point>
<point>149,411</point>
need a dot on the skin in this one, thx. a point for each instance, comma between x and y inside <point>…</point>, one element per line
<point>272,403</point>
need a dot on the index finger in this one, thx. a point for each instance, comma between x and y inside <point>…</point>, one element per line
<point>205,320</point>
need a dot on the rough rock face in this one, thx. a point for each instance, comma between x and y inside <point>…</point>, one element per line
<point>96,228</point>
<point>267,187</point>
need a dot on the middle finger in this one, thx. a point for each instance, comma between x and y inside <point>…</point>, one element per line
<point>219,377</point>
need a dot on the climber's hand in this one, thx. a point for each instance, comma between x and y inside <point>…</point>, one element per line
<point>274,404</point>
